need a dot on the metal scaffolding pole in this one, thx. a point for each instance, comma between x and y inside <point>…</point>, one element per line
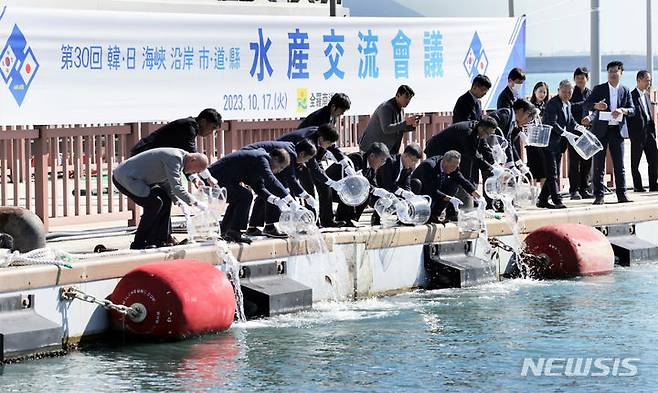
<point>649,40</point>
<point>595,45</point>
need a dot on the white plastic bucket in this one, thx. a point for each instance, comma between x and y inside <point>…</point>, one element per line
<point>415,210</point>
<point>538,134</point>
<point>587,145</point>
<point>353,190</point>
<point>471,219</point>
<point>387,210</point>
<point>526,192</point>
<point>502,186</point>
<point>298,221</point>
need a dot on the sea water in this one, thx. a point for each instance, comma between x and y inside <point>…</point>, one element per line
<point>462,340</point>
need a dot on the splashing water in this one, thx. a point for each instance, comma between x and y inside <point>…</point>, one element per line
<point>203,224</point>
<point>233,274</point>
<point>317,250</point>
<point>517,244</point>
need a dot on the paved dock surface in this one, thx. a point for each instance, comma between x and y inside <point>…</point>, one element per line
<point>84,241</point>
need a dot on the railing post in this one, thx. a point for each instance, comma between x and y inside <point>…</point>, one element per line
<point>361,125</point>
<point>41,177</point>
<point>132,139</point>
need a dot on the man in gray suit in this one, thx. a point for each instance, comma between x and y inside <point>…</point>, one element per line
<point>388,123</point>
<point>153,180</point>
<point>613,104</point>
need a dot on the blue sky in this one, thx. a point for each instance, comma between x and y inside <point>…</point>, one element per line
<point>554,26</point>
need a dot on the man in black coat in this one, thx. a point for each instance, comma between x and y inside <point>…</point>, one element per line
<point>512,91</point>
<point>368,163</point>
<point>311,175</point>
<point>440,178</point>
<point>642,132</point>
<point>182,134</point>
<point>339,104</point>
<point>255,168</point>
<point>579,168</point>
<point>558,115</point>
<point>510,122</point>
<point>468,106</point>
<point>613,104</point>
<point>265,213</point>
<point>468,138</point>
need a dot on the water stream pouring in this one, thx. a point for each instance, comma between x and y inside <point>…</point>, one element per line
<point>498,146</point>
<point>353,190</point>
<point>538,135</point>
<point>586,144</point>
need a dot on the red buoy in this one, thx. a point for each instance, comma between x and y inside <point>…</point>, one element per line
<point>569,250</point>
<point>176,299</point>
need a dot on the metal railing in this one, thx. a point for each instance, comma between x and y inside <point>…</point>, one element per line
<point>63,173</point>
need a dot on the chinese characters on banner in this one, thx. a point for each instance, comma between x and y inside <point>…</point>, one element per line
<point>246,67</point>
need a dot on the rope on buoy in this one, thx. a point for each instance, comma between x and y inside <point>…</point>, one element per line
<point>40,256</point>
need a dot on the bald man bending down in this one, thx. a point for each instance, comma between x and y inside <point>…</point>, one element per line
<point>153,180</point>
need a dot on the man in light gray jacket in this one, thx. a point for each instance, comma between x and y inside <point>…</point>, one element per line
<point>388,123</point>
<point>152,179</point>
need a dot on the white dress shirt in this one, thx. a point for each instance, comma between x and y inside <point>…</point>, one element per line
<point>643,102</point>
<point>614,97</point>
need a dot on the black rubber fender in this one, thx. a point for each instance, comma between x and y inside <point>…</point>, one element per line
<point>25,227</point>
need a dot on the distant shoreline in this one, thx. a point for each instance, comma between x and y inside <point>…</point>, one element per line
<point>546,64</point>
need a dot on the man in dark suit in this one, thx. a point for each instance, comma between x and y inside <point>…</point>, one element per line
<point>182,134</point>
<point>579,168</point>
<point>395,175</point>
<point>642,132</point>
<point>512,92</point>
<point>510,122</point>
<point>368,163</point>
<point>468,106</point>
<point>311,175</point>
<point>255,168</point>
<point>339,104</point>
<point>265,213</point>
<point>613,104</point>
<point>468,138</point>
<point>558,115</point>
<point>439,177</point>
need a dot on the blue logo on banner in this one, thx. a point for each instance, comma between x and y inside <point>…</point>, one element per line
<point>18,65</point>
<point>476,61</point>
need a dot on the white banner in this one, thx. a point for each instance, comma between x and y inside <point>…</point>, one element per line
<point>73,66</point>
